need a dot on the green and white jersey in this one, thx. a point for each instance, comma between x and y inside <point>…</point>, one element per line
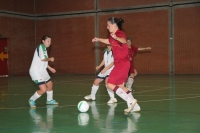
<point>108,57</point>
<point>37,63</point>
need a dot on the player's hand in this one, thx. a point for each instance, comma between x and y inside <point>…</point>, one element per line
<point>52,59</point>
<point>130,59</point>
<point>103,71</point>
<point>97,67</point>
<point>113,36</point>
<point>53,70</point>
<point>95,39</point>
<point>148,48</point>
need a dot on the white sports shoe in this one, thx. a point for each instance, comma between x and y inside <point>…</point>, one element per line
<point>89,97</point>
<point>130,108</point>
<point>112,100</point>
<point>136,108</point>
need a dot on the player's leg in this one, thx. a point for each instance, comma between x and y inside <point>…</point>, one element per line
<point>121,93</point>
<point>136,107</point>
<point>37,94</point>
<point>94,89</point>
<point>130,79</point>
<point>110,93</point>
<point>49,92</point>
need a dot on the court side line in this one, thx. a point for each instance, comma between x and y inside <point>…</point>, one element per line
<point>106,103</point>
<point>171,99</point>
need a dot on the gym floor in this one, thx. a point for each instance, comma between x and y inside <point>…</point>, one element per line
<point>169,104</point>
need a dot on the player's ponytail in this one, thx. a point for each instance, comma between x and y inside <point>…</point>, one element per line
<point>118,21</point>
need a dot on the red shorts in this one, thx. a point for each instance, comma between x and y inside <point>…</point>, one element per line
<point>119,74</point>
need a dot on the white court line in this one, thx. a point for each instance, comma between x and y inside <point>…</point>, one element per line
<point>167,80</point>
<point>171,99</point>
<point>117,103</point>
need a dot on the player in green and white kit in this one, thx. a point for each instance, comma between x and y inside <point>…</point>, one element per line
<point>39,74</point>
<point>108,63</point>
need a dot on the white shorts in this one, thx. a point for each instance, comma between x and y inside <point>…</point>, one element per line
<point>104,75</point>
<point>39,76</point>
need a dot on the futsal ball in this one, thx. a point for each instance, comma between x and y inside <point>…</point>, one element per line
<point>83,106</point>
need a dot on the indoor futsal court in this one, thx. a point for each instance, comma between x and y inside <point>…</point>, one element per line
<point>167,61</point>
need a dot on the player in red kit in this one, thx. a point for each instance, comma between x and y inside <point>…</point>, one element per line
<point>132,72</point>
<point>119,74</point>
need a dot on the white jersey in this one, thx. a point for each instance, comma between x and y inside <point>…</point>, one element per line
<point>108,59</point>
<point>39,66</point>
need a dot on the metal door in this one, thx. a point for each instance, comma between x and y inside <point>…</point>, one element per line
<point>3,57</point>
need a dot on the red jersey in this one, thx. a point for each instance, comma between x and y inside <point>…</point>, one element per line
<point>132,51</point>
<point>120,51</point>
<point>119,73</point>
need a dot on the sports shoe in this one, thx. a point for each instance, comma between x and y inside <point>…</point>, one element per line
<point>136,108</point>
<point>32,103</point>
<point>112,100</point>
<point>52,102</point>
<point>89,97</point>
<point>131,106</point>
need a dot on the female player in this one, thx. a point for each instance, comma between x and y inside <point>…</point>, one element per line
<point>132,72</point>
<point>119,74</point>
<point>107,62</point>
<point>39,74</point>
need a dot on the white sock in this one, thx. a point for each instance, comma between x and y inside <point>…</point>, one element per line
<point>94,90</point>
<point>111,93</point>
<point>130,95</point>
<point>129,82</point>
<point>35,96</point>
<point>120,92</point>
<point>49,95</point>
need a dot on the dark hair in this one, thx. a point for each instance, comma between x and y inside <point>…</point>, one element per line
<point>45,37</point>
<point>128,38</point>
<point>118,21</point>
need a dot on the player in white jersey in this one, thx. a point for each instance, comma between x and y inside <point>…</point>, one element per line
<point>39,74</point>
<point>108,63</point>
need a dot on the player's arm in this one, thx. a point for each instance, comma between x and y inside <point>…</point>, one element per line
<point>120,39</point>
<point>100,40</point>
<point>48,59</point>
<point>100,65</point>
<point>43,55</point>
<point>108,67</point>
<point>143,49</point>
<point>51,69</point>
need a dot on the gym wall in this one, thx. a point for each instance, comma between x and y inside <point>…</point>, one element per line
<point>170,27</point>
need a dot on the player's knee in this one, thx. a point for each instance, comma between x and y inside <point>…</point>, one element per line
<point>110,86</point>
<point>96,83</point>
<point>50,85</point>
<point>41,91</point>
